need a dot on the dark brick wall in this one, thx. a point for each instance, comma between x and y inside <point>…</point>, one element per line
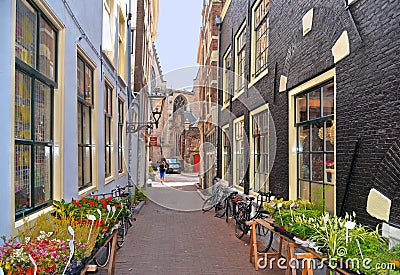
<point>367,88</point>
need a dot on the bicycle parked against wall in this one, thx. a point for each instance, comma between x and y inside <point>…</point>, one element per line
<point>243,215</point>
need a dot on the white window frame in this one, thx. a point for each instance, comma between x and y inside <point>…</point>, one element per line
<point>236,181</point>
<point>254,113</point>
<point>293,188</point>
<point>238,91</point>
<point>253,77</point>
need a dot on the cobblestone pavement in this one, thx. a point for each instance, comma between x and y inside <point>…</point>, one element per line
<point>165,241</point>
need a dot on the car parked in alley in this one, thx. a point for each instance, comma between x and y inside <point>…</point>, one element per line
<point>174,168</point>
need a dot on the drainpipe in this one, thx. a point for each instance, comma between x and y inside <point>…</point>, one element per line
<point>129,80</point>
<point>218,173</point>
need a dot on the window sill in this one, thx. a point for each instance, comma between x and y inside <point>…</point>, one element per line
<point>87,191</point>
<point>120,175</point>
<point>109,179</point>
<point>254,80</point>
<point>33,216</point>
<point>225,106</point>
<point>238,94</point>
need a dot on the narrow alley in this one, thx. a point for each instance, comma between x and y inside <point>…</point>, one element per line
<point>165,241</point>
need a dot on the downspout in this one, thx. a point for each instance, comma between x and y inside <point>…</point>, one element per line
<point>129,80</point>
<point>218,22</point>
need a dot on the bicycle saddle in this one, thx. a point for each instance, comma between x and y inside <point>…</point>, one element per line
<point>250,198</point>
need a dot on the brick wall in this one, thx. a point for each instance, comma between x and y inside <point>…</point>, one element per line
<point>367,86</point>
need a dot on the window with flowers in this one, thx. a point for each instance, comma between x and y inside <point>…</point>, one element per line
<point>35,80</point>
<point>315,124</point>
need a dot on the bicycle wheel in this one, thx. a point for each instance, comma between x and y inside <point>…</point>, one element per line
<point>103,256</point>
<point>208,204</point>
<point>228,211</point>
<point>220,209</point>
<point>121,234</point>
<point>240,226</point>
<point>264,238</point>
<point>127,224</point>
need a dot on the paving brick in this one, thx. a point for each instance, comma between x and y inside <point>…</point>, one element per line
<point>164,241</point>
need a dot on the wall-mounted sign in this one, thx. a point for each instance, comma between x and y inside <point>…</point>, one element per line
<point>153,141</point>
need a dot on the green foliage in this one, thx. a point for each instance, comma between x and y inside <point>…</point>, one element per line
<point>140,195</point>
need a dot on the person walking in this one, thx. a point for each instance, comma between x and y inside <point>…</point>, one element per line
<point>162,169</point>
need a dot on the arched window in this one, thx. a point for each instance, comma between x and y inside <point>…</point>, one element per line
<point>179,102</point>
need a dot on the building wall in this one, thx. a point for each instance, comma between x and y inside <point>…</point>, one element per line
<point>367,96</point>
<point>85,38</point>
<point>206,81</point>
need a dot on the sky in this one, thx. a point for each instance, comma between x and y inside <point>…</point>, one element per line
<point>177,41</point>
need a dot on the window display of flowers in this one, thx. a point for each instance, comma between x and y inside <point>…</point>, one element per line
<point>337,238</point>
<point>44,244</point>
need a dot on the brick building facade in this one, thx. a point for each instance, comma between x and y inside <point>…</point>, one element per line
<point>206,85</point>
<point>327,74</point>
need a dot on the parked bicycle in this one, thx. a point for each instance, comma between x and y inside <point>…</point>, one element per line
<point>122,195</point>
<point>244,214</point>
<point>217,199</point>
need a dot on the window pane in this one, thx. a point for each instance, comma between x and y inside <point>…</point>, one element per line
<point>317,144</point>
<point>22,177</point>
<point>86,125</point>
<point>22,106</point>
<point>26,27</point>
<point>329,201</point>
<point>80,123</point>
<point>304,138</point>
<point>327,92</point>
<point>301,108</point>
<point>304,165</point>
<point>330,135</point>
<point>107,161</point>
<point>42,174</point>
<point>304,190</point>
<point>47,49</point>
<point>317,162</point>
<point>81,78</point>
<point>87,160</point>
<point>42,112</point>
<point>314,104</point>
<point>88,84</point>
<point>329,168</point>
<point>80,176</point>
<point>317,193</point>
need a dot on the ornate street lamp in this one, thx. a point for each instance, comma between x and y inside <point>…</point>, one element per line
<point>156,102</point>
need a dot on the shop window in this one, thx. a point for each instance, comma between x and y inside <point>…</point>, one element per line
<point>315,126</point>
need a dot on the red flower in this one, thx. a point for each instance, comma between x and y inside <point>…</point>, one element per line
<point>109,198</point>
<point>75,202</point>
<point>104,204</point>
<point>84,200</point>
<point>91,203</point>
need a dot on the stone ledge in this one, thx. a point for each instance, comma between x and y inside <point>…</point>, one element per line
<point>139,207</point>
